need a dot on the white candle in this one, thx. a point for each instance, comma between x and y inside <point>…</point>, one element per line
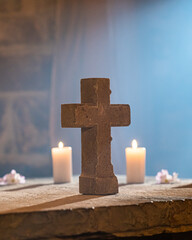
<point>135,161</point>
<point>62,163</point>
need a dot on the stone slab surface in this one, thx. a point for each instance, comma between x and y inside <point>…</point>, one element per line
<point>41,209</point>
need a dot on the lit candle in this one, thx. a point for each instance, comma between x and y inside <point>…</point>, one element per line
<point>135,160</point>
<point>62,163</point>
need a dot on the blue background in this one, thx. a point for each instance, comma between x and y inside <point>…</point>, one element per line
<point>143,46</point>
<point>155,71</point>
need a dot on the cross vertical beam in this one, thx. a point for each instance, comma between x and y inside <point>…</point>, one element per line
<point>95,116</point>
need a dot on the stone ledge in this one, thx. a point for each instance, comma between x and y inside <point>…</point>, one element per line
<point>42,210</point>
<point>27,49</point>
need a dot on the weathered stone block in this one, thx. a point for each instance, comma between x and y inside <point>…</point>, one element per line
<point>25,73</point>
<point>36,7</point>
<point>42,210</point>
<point>10,6</point>
<point>25,30</point>
<point>25,27</point>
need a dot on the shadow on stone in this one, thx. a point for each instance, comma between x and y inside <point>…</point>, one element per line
<point>185,186</point>
<point>27,187</point>
<point>107,236</point>
<point>54,203</point>
<point>123,184</point>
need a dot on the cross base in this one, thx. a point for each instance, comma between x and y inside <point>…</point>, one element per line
<point>98,186</point>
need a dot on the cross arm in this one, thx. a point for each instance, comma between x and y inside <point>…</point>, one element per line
<point>120,115</point>
<point>78,115</point>
<point>68,117</point>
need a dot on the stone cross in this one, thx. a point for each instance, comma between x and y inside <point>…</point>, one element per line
<point>95,116</point>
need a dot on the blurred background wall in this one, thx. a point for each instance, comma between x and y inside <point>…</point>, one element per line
<point>47,46</point>
<point>27,34</point>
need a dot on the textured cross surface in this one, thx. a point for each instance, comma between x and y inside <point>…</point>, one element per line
<point>95,116</point>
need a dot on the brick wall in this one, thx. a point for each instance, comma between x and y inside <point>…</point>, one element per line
<point>27,30</point>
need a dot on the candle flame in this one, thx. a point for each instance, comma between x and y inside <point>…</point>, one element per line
<point>60,145</point>
<point>134,144</point>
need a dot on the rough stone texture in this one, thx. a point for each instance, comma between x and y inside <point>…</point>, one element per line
<point>40,209</point>
<point>30,21</point>
<point>10,6</point>
<point>24,29</point>
<point>95,116</point>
